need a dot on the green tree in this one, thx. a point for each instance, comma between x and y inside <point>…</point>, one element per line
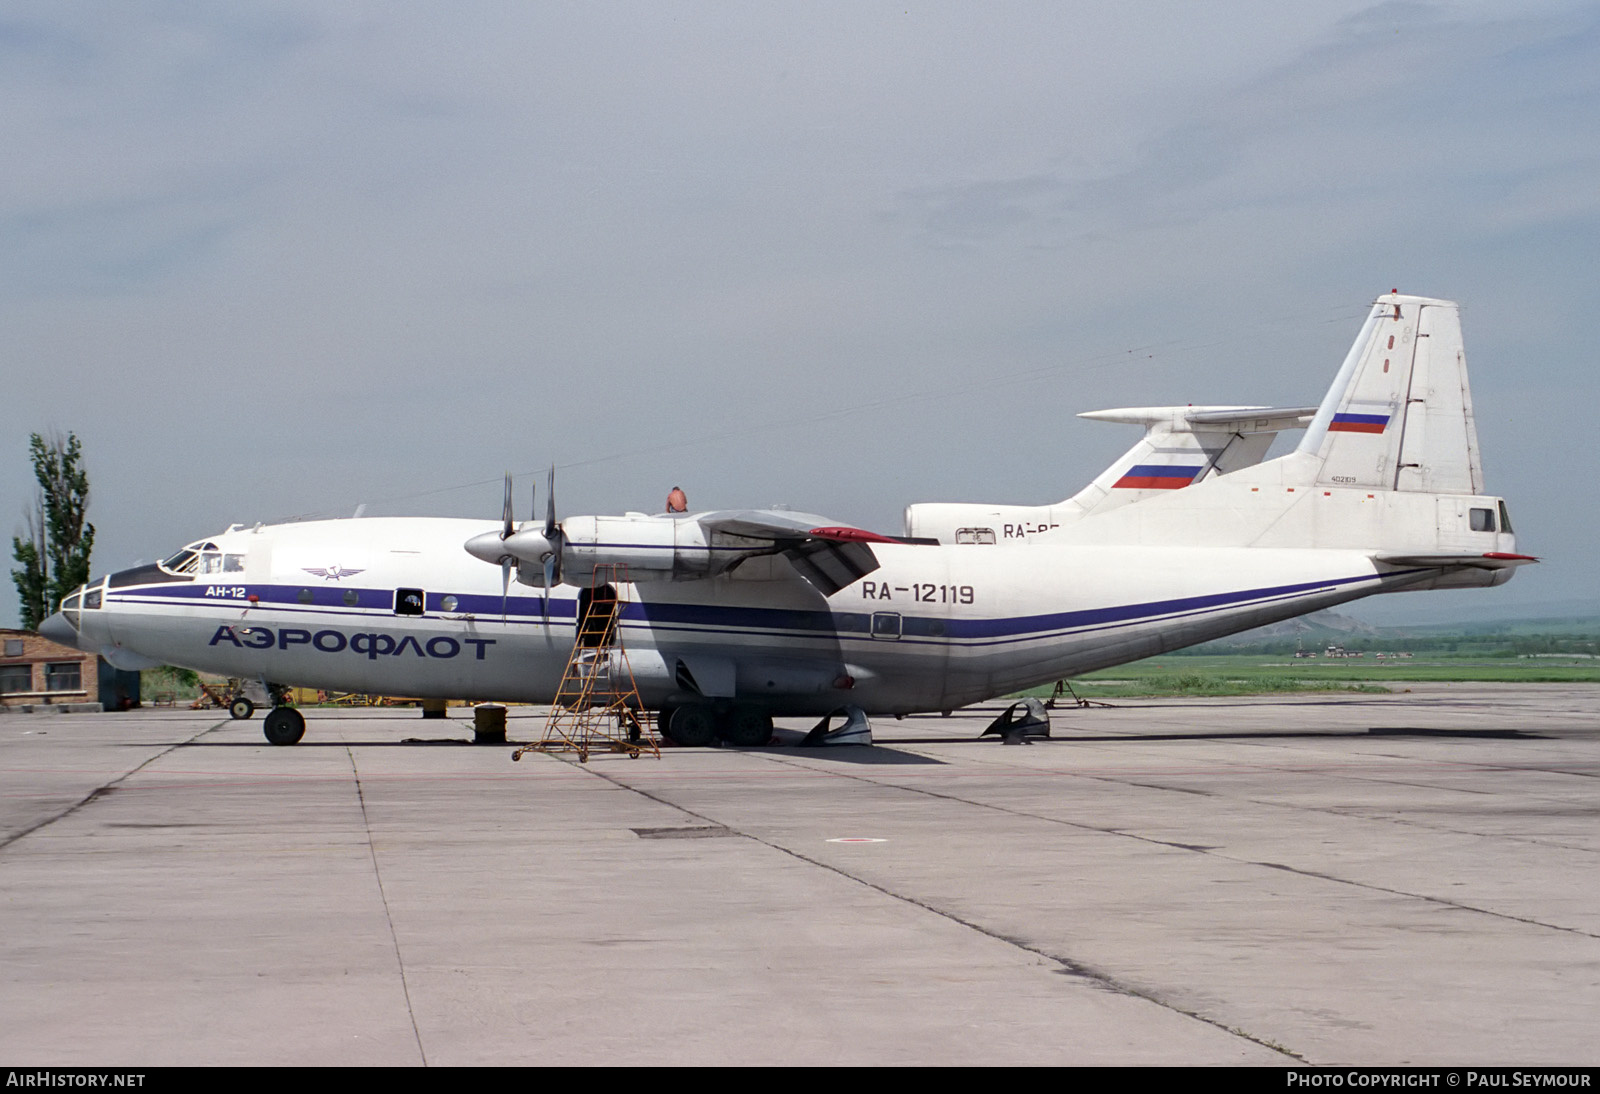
<point>54,556</point>
<point>31,581</point>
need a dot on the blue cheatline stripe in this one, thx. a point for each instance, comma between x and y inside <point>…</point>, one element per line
<point>998,632</point>
<point>707,618</point>
<point>326,598</point>
<point>963,644</point>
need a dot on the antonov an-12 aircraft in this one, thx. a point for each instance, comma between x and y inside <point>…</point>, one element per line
<point>731,618</point>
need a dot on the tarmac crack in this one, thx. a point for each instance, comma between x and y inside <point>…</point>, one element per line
<point>106,788</point>
<point>1474,765</point>
<point>1067,965</point>
<point>388,917</point>
<point>1203,850</point>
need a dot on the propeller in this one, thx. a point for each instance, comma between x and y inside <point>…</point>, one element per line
<point>546,545</point>
<point>491,547</point>
<point>553,536</point>
<point>506,561</point>
<point>508,546</point>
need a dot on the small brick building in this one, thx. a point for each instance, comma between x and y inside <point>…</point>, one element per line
<point>35,671</point>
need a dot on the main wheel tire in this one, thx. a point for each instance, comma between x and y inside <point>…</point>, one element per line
<point>693,726</point>
<point>284,726</point>
<point>747,727</point>
<point>241,708</point>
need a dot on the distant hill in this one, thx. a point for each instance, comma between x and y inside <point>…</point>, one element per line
<point>1474,610</point>
<point>1314,630</point>
<point>1338,628</point>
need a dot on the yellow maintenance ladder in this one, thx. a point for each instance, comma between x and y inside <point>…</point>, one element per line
<point>597,706</point>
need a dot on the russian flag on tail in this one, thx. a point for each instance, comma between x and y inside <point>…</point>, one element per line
<point>1154,476</point>
<point>1358,423</point>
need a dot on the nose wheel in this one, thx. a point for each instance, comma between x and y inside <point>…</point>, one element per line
<point>284,726</point>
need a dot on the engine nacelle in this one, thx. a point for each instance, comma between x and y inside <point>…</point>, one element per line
<point>651,547</point>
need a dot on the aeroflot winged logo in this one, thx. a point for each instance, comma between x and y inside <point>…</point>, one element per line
<point>331,573</point>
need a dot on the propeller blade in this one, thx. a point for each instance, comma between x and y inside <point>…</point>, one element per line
<point>506,531</point>
<point>549,578</point>
<point>505,584</point>
<point>550,506</point>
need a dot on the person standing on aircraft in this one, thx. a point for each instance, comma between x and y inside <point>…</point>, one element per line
<point>677,502</point>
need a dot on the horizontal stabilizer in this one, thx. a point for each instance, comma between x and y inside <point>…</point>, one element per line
<point>1226,419</point>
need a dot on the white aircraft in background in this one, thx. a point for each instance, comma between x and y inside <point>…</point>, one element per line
<point>731,618</point>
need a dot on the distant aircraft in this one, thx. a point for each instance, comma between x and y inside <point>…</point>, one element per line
<point>1182,446</point>
<point>734,617</point>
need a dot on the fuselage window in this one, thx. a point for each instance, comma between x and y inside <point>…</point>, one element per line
<point>1483,520</point>
<point>886,624</point>
<point>408,602</point>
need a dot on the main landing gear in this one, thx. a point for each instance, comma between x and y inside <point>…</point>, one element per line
<point>699,724</point>
<point>284,726</point>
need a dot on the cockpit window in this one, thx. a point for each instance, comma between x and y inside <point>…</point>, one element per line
<point>181,563</point>
<point>200,558</point>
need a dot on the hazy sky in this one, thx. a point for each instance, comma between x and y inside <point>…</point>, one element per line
<point>276,260</point>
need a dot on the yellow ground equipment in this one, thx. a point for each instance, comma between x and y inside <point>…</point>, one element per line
<point>597,706</point>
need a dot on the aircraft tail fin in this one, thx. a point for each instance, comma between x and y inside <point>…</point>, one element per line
<point>1399,414</point>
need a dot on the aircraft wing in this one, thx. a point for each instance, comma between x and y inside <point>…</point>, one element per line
<point>782,525</point>
<point>828,555</point>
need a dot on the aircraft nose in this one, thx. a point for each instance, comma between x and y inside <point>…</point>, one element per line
<point>58,629</point>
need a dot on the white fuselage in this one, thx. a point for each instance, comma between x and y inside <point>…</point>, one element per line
<point>933,628</point>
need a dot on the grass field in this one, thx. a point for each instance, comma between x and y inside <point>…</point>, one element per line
<point>1261,674</point>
